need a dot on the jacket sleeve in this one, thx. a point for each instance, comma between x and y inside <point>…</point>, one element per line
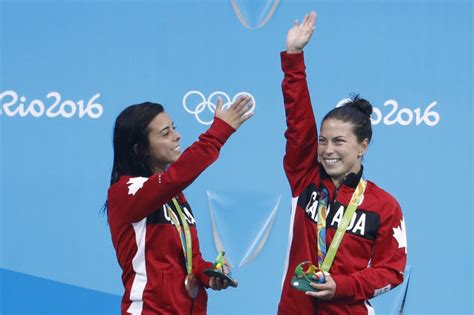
<point>133,199</point>
<point>300,161</point>
<point>387,264</point>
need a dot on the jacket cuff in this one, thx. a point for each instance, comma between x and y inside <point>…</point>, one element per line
<point>221,130</point>
<point>292,62</point>
<point>343,286</point>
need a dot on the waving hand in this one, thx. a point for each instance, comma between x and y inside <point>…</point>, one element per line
<point>299,35</point>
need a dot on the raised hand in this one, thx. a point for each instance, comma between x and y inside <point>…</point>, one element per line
<point>299,35</point>
<point>237,113</point>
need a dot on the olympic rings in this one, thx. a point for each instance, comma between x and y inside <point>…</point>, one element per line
<point>208,103</point>
<point>311,274</point>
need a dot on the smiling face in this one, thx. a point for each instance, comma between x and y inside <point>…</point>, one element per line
<point>338,150</point>
<point>163,143</point>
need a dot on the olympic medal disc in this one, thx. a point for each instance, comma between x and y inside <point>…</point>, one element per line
<point>192,286</point>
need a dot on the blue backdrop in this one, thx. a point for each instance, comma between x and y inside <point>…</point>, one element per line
<point>69,67</point>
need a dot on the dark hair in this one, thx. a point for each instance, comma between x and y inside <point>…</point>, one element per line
<point>357,111</point>
<point>131,140</point>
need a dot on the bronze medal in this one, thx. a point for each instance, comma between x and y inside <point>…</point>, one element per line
<point>192,286</point>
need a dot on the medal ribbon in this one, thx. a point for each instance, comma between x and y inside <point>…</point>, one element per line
<point>341,229</point>
<point>322,213</point>
<point>184,235</point>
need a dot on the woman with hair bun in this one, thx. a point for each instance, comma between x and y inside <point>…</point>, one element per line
<point>347,239</point>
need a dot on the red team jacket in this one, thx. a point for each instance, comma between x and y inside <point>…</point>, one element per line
<point>147,244</point>
<point>372,255</point>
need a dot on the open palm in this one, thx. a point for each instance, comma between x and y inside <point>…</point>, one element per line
<point>299,35</point>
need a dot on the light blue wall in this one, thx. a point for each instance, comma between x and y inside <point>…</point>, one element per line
<point>55,170</point>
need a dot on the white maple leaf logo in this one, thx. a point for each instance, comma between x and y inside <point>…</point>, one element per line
<point>400,235</point>
<point>135,183</point>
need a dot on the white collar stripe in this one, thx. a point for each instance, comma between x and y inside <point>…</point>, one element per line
<point>139,266</point>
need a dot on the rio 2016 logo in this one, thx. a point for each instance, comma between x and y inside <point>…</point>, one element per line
<point>195,103</point>
<point>10,106</point>
<point>402,116</point>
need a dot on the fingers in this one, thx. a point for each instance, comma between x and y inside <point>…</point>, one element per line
<point>305,19</point>
<point>215,283</point>
<point>242,105</point>
<point>225,284</point>
<point>309,21</point>
<point>242,109</point>
<point>238,103</point>
<point>324,291</point>
<point>247,116</point>
<point>312,19</point>
<point>237,113</point>
<point>322,294</point>
<point>218,284</point>
<point>219,104</point>
<point>319,286</point>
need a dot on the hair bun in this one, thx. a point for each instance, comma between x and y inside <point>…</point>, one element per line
<point>360,104</point>
<point>356,111</point>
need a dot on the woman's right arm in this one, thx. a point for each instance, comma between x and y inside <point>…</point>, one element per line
<point>133,199</point>
<point>300,160</point>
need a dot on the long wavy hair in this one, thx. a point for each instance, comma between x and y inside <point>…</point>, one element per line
<point>131,143</point>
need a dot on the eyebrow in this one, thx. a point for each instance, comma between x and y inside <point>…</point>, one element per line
<point>334,138</point>
<point>164,129</point>
<point>167,127</point>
